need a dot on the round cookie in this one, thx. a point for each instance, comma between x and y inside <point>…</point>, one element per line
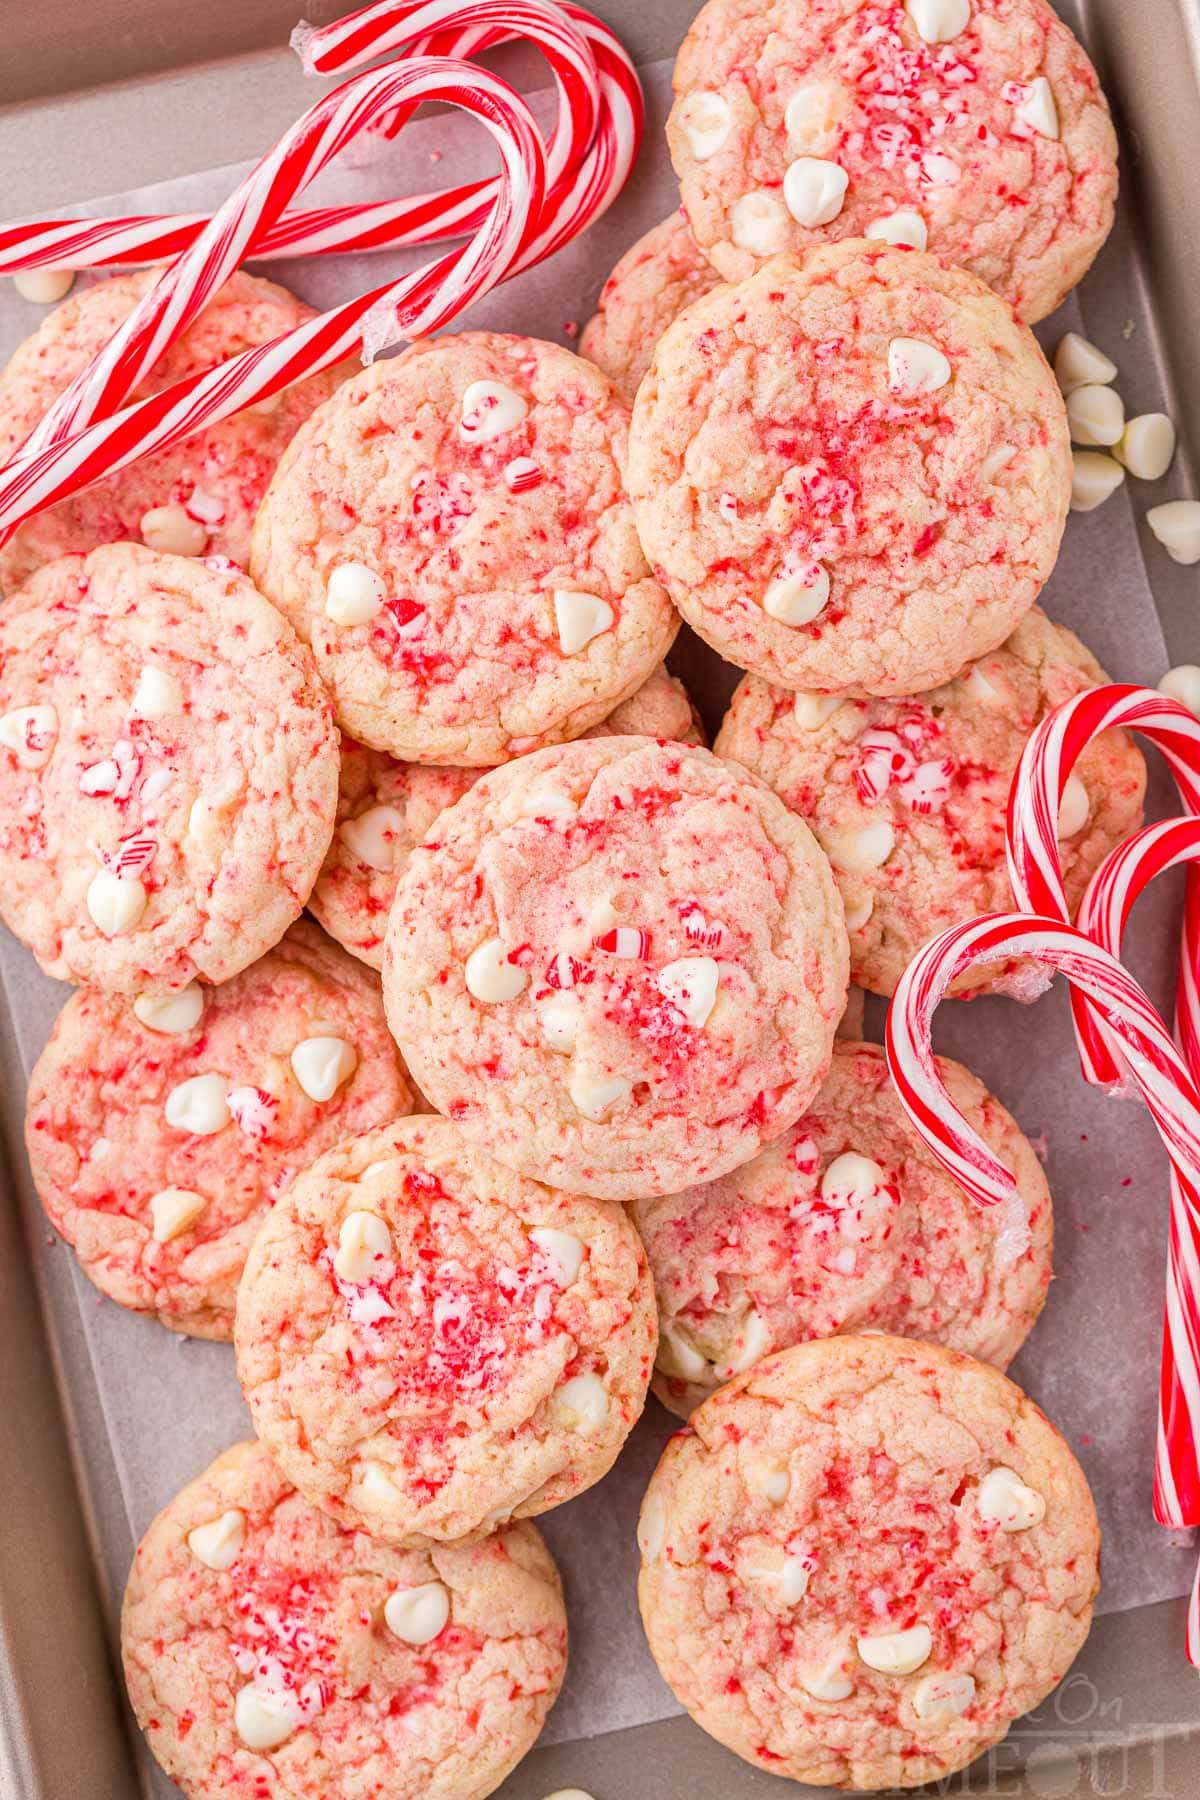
<point>168,770</point>
<point>269,1654</point>
<point>212,483</point>
<point>975,128</point>
<point>865,1558</point>
<point>844,1224</point>
<point>161,1131</point>
<point>909,797</point>
<point>430,1345</point>
<point>653,282</point>
<point>385,807</point>
<point>851,471</point>
<point>619,965</point>
<point>452,535</point>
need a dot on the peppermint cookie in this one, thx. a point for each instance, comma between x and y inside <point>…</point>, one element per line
<point>385,807</point>
<point>975,128</point>
<point>160,1131</point>
<point>909,797</point>
<point>452,536</point>
<point>168,770</point>
<point>431,1346</point>
<point>653,282</point>
<point>196,498</point>
<point>844,1224</point>
<point>864,1559</point>
<point>619,965</point>
<point>270,1654</point>
<point>852,471</point>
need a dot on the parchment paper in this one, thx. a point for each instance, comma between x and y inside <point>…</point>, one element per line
<point>148,1410</point>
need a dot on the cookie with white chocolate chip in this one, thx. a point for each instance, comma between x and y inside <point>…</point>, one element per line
<point>974,128</point>
<point>863,1559</point>
<point>269,1653</point>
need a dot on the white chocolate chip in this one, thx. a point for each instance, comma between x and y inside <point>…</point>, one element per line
<point>814,191</point>
<point>770,1480</point>
<point>322,1064</point>
<point>940,1697</point>
<point>851,1177</point>
<point>916,368</point>
<point>789,1578</point>
<point>30,732</point>
<point>417,1615</point>
<point>491,977</point>
<point>263,1721</point>
<point>168,530</point>
<point>170,1013</point>
<point>218,1544</point>
<point>376,1489</point>
<point>374,837</point>
<point>706,119</point>
<point>652,1529</point>
<point>353,594</point>
<point>562,1250</point>
<point>1074,808</point>
<point>867,848</point>
<point>1096,416</point>
<point>545,802</point>
<point>210,813</point>
<point>759,223</point>
<point>798,593</point>
<point>559,1020</point>
<point>812,115</point>
<point>1005,1500</point>
<point>568,1794</point>
<point>752,1341</point>
<point>938,21</point>
<point>1077,363</point>
<point>157,694</point>
<point>858,912</point>
<point>896,1652</point>
<point>115,903</point>
<point>364,1241</point>
<point>173,1211</point>
<point>904,229</point>
<point>940,170</point>
<point>1183,684</point>
<point>1177,528</point>
<point>1094,478</point>
<point>679,1359</point>
<point>810,711</point>
<point>580,1404</point>
<point>44,286</point>
<point>1038,111</point>
<point>198,1105</point>
<point>997,462</point>
<point>489,409</point>
<point>691,985</point>
<point>579,618</point>
<point>829,1680</point>
<point>595,1096</point>
<point>1147,448</point>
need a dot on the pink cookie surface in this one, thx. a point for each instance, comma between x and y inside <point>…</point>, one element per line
<point>909,796</point>
<point>845,1224</point>
<point>978,130</point>
<point>474,487</point>
<point>619,965</point>
<point>653,282</point>
<point>864,1559</point>
<point>431,1345</point>
<point>250,1616</point>
<point>102,1146</point>
<point>168,770</point>
<point>221,473</point>
<point>386,807</point>
<point>815,460</point>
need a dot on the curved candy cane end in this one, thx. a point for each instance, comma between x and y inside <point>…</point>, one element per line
<point>301,41</point>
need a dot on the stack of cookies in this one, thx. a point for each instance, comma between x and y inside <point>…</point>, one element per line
<point>549,1105</point>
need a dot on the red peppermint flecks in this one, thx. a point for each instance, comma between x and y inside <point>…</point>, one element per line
<point>254,1110</point>
<point>522,474</point>
<point>927,789</point>
<point>134,854</point>
<point>625,941</point>
<point>883,757</point>
<point>698,928</point>
<point>564,971</point>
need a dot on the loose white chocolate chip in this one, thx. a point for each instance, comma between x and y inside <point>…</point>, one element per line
<point>353,594</point>
<point>1177,528</point>
<point>595,1096</point>
<point>997,462</point>
<point>170,1013</point>
<point>938,21</point>
<point>364,1241</point>
<point>814,191</point>
<point>562,1250</point>
<point>1038,111</point>
<point>858,912</point>
<point>916,368</point>
<point>157,694</point>
<point>797,594</point>
<point>559,1020</point>
<point>263,1721</point>
<point>943,1696</point>
<point>44,286</point>
<point>580,1404</point>
<point>1183,684</point>
<point>217,1544</point>
<point>115,903</point>
<point>1147,448</point>
<point>491,977</point>
<point>174,1211</point>
<point>198,1105</point>
<point>752,1341</point>
<point>679,1359</point>
<point>812,115</point>
<point>1074,808</point>
<point>759,223</point>
<point>896,1652</point>
<point>829,1680</point>
<point>851,1177</point>
<point>652,1530</point>
<point>579,618</point>
<point>867,848</point>
<point>691,985</point>
<point>417,1615</point>
<point>706,119</point>
<point>1077,363</point>
<point>905,229</point>
<point>489,409</point>
<point>169,530</point>
<point>30,732</point>
<point>374,836</point>
<point>1004,1499</point>
<point>322,1064</point>
<point>1094,478</point>
<point>810,711</point>
<point>1096,416</point>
